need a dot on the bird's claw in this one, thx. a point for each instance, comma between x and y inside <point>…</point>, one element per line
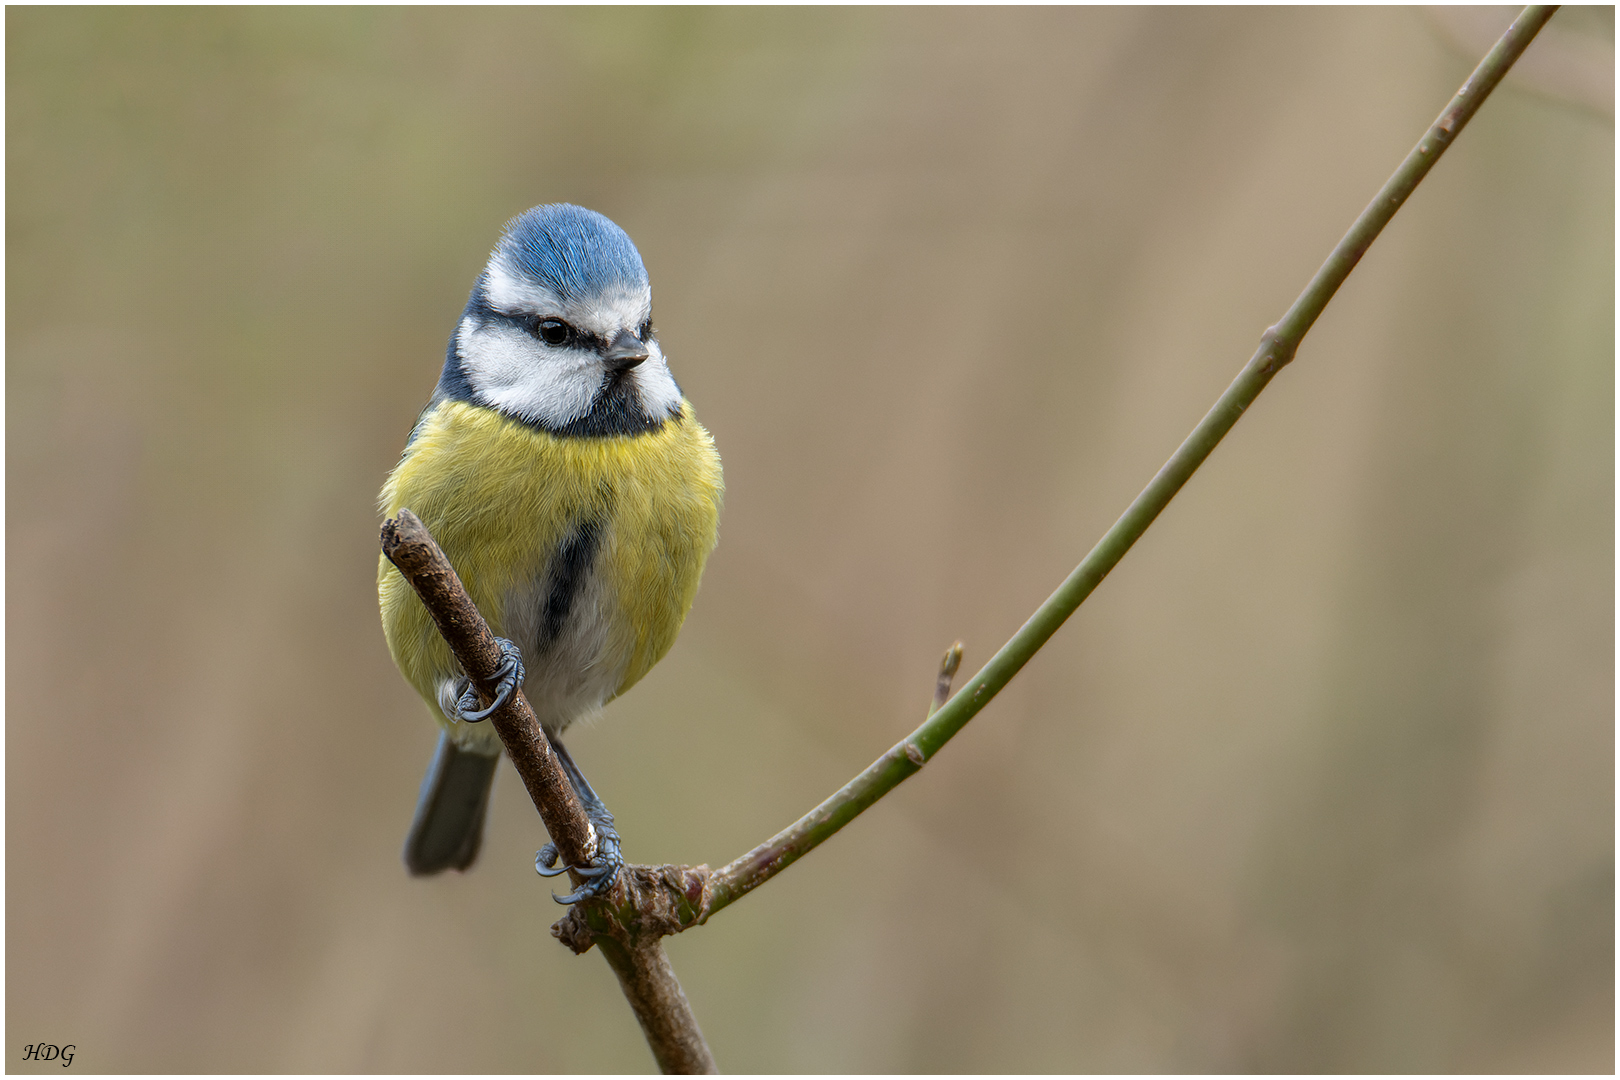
<point>600,874</point>
<point>545,862</point>
<point>511,677</point>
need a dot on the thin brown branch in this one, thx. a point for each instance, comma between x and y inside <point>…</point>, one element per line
<point>409,546</point>
<point>649,984</point>
<point>648,902</point>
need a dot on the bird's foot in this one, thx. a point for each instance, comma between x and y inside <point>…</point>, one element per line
<point>600,873</point>
<point>511,677</point>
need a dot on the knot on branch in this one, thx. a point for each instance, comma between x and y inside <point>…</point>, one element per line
<point>1276,350</point>
<point>648,903</point>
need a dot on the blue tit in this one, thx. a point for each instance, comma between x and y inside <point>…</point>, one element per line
<point>563,473</point>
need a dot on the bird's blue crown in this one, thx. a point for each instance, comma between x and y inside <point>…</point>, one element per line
<point>576,252</point>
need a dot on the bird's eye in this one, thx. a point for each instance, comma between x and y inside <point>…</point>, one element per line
<point>645,332</point>
<point>554,331</point>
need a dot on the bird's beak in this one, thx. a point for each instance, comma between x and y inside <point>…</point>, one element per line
<point>624,353</point>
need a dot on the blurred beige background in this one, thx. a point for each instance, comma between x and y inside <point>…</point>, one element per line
<point>1320,779</point>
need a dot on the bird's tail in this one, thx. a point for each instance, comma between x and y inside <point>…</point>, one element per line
<point>449,822</point>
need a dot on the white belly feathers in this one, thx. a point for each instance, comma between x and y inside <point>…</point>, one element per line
<point>562,621</point>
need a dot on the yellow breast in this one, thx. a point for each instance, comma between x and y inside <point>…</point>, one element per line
<point>501,498</point>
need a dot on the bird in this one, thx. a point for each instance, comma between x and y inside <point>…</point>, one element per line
<point>564,474</point>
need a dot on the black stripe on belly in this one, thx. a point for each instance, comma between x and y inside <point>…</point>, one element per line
<point>569,569</point>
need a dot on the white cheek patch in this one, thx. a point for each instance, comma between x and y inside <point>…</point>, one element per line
<point>621,310</point>
<point>660,397</point>
<point>510,371</point>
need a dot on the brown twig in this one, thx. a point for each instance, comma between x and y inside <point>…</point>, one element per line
<point>649,984</point>
<point>651,902</point>
<point>648,902</point>
<point>409,546</point>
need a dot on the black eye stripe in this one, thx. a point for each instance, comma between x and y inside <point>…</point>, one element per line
<point>571,336</point>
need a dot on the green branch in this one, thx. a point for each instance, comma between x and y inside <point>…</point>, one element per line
<point>1277,348</point>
